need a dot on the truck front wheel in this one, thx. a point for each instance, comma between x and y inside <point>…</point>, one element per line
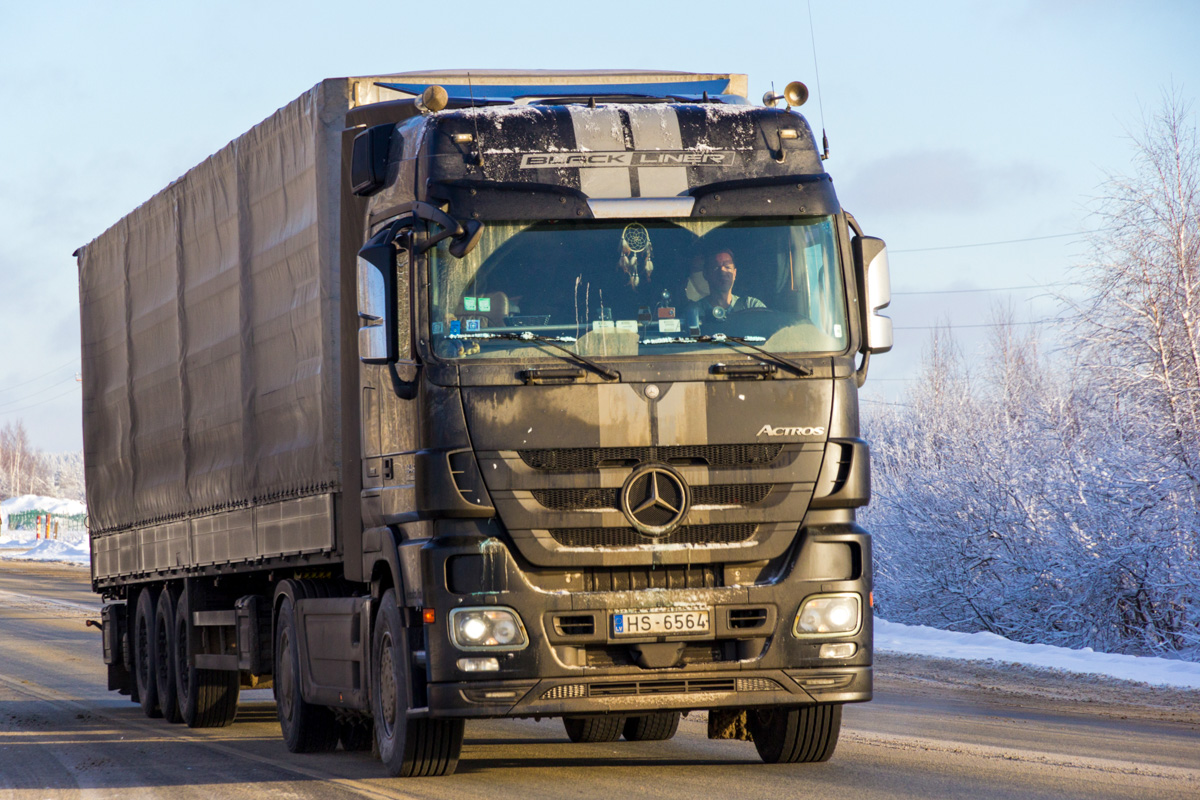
<point>408,747</point>
<point>795,735</point>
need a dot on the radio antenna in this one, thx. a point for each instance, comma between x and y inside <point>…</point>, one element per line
<point>475,116</point>
<point>816,68</point>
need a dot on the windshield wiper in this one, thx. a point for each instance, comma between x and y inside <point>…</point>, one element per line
<point>553,341</point>
<point>735,342</point>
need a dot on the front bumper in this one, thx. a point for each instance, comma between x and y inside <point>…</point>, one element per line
<point>563,671</point>
<point>644,693</point>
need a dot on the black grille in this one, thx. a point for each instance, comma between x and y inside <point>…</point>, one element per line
<point>714,455</point>
<point>662,687</point>
<point>734,494</point>
<point>629,688</point>
<point>568,499</point>
<point>628,537</point>
<point>747,617</point>
<point>575,624</point>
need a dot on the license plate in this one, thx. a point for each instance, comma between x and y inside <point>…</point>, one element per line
<point>653,623</point>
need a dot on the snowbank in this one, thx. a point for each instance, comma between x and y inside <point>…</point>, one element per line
<point>55,550</point>
<point>920,640</point>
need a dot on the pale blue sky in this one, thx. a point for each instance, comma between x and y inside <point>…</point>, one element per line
<point>950,123</point>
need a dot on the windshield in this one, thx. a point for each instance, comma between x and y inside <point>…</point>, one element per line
<point>640,287</point>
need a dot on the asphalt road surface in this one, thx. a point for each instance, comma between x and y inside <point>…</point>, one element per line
<point>934,730</point>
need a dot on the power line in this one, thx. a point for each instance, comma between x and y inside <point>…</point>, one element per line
<point>43,390</point>
<point>993,289</point>
<point>977,325</point>
<point>882,403</point>
<point>39,377</point>
<point>35,405</point>
<point>1003,241</point>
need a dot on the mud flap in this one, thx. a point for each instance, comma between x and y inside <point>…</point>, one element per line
<point>728,723</point>
<point>116,643</point>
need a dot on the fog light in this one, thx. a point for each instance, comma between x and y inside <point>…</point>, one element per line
<point>487,629</point>
<point>838,650</point>
<point>829,614</point>
<point>479,665</point>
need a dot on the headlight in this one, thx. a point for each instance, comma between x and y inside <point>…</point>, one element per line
<point>487,628</point>
<point>829,614</point>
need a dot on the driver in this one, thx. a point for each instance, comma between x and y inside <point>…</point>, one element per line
<point>720,272</point>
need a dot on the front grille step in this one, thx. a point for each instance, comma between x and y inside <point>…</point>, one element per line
<point>736,494</point>
<point>629,537</point>
<point>573,459</point>
<point>631,578</point>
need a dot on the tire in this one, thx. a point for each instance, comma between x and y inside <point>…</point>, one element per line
<point>655,727</point>
<point>144,653</point>
<point>588,730</point>
<point>207,698</point>
<point>307,728</point>
<point>407,747</point>
<point>164,657</point>
<point>795,735</point>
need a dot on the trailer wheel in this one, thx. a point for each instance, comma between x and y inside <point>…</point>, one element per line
<point>795,735</point>
<point>207,698</point>
<point>307,728</point>
<point>164,657</point>
<point>144,653</point>
<point>594,729</point>
<point>408,747</point>
<point>655,727</point>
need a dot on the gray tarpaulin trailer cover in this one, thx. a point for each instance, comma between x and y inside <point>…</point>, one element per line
<point>214,362</point>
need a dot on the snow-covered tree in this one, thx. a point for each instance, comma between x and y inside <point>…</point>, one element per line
<point>1057,500</point>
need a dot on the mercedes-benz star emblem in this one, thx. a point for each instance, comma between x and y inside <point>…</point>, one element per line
<point>655,499</point>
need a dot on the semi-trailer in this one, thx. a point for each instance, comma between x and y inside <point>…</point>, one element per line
<point>452,395</point>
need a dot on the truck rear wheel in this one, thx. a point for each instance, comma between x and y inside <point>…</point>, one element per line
<point>144,653</point>
<point>164,658</point>
<point>307,728</point>
<point>655,727</point>
<point>207,698</point>
<point>594,729</point>
<point>795,735</point>
<point>407,747</point>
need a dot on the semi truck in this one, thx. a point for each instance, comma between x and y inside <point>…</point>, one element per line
<point>440,396</point>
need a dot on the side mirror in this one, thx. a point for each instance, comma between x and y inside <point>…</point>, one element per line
<point>875,290</point>
<point>368,163</point>
<point>472,231</point>
<point>377,334</point>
